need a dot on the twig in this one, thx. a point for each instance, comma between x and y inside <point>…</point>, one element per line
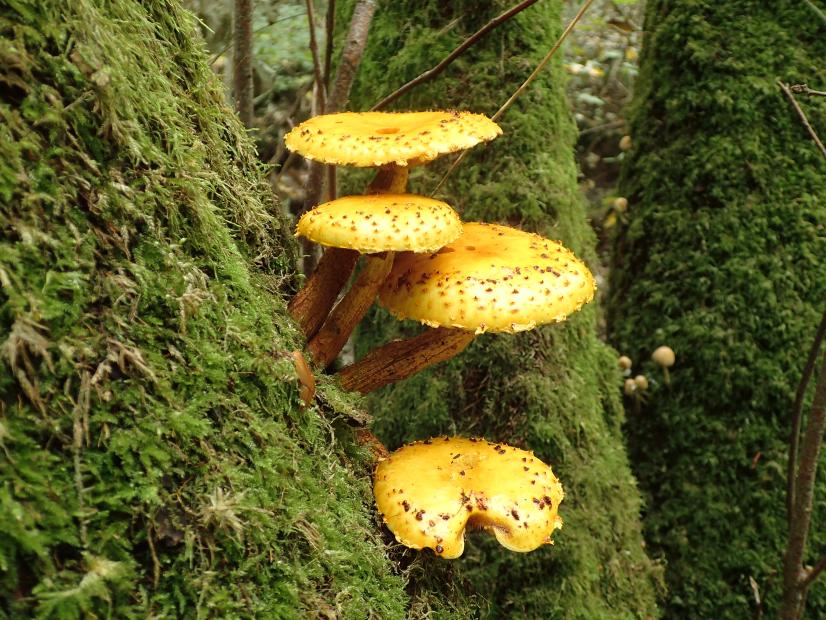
<point>803,89</point>
<point>256,31</point>
<point>319,78</point>
<point>814,572</point>
<point>797,411</point>
<point>524,84</point>
<point>472,39</point>
<point>803,118</point>
<point>817,11</point>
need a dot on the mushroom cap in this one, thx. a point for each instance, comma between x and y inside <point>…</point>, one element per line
<point>664,356</point>
<point>382,223</point>
<point>492,278</point>
<point>428,492</point>
<point>380,138</point>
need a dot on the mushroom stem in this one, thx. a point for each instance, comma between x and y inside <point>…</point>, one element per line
<point>326,344</point>
<point>402,358</point>
<point>313,302</point>
<point>390,179</point>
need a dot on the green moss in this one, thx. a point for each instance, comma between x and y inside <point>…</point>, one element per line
<point>555,390</point>
<point>722,260</point>
<point>154,459</point>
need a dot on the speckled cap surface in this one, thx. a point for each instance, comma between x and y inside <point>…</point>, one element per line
<point>492,278</point>
<point>381,223</point>
<point>380,138</point>
<point>429,491</point>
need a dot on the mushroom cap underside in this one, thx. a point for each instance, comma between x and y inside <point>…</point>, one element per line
<point>429,492</point>
<point>380,138</point>
<point>382,223</point>
<point>492,278</point>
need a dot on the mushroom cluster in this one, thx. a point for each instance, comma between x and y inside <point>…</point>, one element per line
<point>458,279</point>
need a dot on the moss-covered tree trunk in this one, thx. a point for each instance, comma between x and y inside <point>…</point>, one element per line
<point>154,458</point>
<point>554,390</point>
<point>724,260</point>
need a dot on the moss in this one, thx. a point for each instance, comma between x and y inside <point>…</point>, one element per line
<point>154,459</point>
<point>722,260</point>
<point>555,390</point>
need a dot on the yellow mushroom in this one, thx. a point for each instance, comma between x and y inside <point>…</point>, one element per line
<point>428,492</point>
<point>492,278</point>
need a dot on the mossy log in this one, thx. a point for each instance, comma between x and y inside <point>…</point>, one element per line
<point>724,260</point>
<point>555,390</point>
<point>155,456</point>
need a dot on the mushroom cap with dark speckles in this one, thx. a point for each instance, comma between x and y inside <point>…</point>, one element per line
<point>379,138</point>
<point>492,278</point>
<point>382,223</point>
<point>429,491</point>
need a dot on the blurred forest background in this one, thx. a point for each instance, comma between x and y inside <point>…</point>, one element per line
<point>155,457</point>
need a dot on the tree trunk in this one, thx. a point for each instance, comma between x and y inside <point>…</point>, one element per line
<point>722,260</point>
<point>155,458</point>
<point>555,390</point>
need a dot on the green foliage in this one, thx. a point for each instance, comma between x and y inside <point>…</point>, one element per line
<point>554,390</point>
<point>154,459</point>
<point>723,260</point>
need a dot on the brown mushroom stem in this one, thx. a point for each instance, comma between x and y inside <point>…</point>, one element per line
<point>391,179</point>
<point>364,437</point>
<point>313,302</point>
<point>326,344</point>
<point>402,358</point>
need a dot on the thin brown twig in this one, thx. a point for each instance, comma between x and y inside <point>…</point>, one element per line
<point>803,118</point>
<point>814,572</point>
<point>317,72</point>
<point>568,29</point>
<point>803,89</point>
<point>817,11</point>
<point>797,414</point>
<point>471,40</point>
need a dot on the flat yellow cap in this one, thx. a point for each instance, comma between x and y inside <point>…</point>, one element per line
<point>429,491</point>
<point>382,223</point>
<point>492,278</point>
<point>380,138</point>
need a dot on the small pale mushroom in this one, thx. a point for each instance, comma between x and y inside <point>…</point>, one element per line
<point>390,141</point>
<point>429,492</point>
<point>492,278</point>
<point>665,358</point>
